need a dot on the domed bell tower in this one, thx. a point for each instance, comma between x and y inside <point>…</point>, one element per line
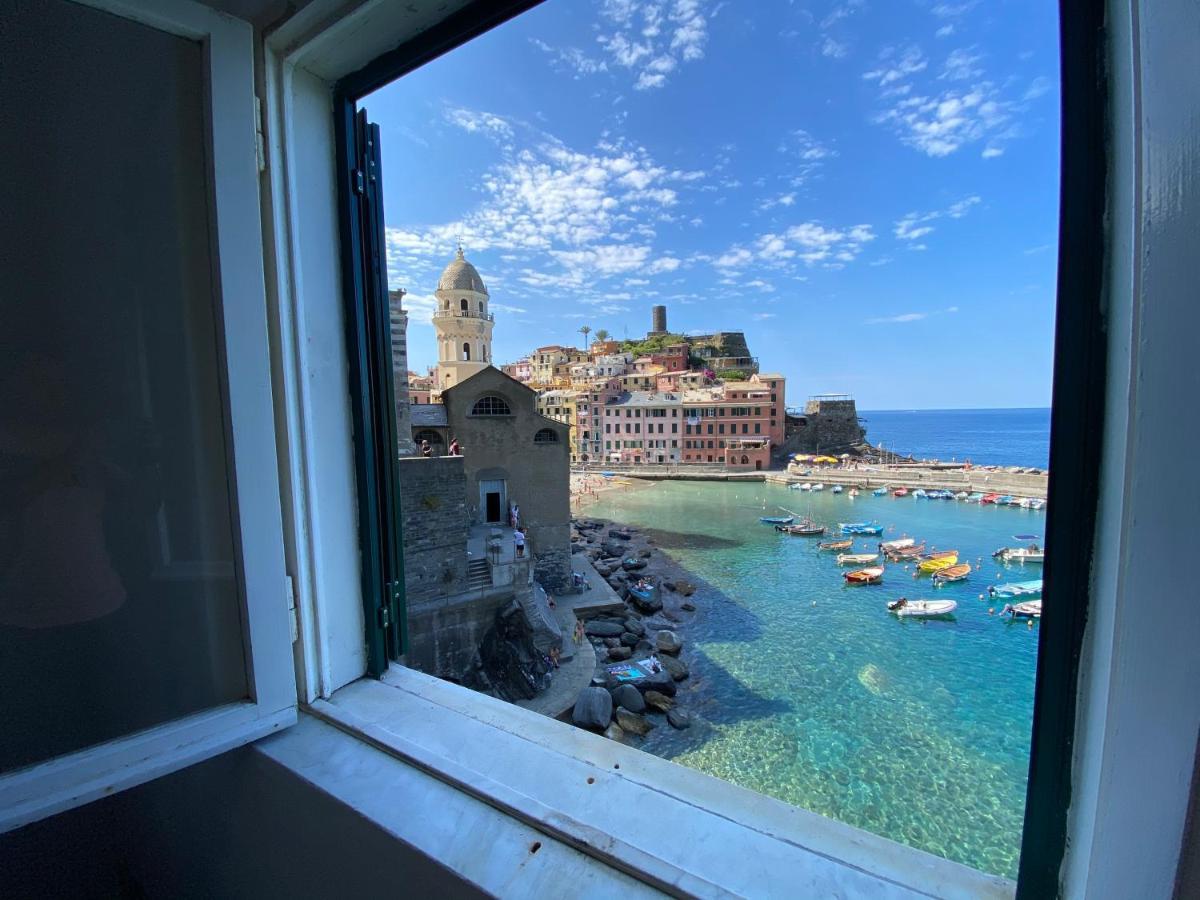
<point>462,323</point>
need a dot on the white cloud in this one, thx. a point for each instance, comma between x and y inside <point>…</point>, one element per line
<point>951,309</point>
<point>1040,248</point>
<point>961,65</point>
<point>895,65</point>
<point>991,152</point>
<point>1039,86</point>
<point>758,317</point>
<point>945,31</point>
<point>834,49</point>
<point>916,225</point>
<point>475,121</point>
<point>571,58</point>
<point>809,242</point>
<point>652,40</point>
<point>903,317</point>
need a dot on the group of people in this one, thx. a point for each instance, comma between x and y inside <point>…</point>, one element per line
<point>455,448</point>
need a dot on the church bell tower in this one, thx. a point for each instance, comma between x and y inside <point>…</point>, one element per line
<point>462,323</point>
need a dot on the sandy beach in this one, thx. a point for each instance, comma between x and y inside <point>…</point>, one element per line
<point>586,487</point>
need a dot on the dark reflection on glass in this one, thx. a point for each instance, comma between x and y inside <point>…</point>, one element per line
<point>119,604</point>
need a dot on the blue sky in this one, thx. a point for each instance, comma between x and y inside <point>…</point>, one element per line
<point>868,189</point>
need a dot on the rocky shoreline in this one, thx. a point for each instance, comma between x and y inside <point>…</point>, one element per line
<point>641,651</point>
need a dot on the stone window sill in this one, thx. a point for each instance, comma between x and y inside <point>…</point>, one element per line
<point>669,827</point>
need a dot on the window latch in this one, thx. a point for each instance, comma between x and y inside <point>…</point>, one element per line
<point>359,182</point>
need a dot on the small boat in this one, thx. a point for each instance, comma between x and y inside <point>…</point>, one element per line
<point>975,497</point>
<point>777,520</point>
<point>835,545</point>
<point>937,563</point>
<point>989,498</point>
<point>961,495</point>
<point>953,573</point>
<point>1031,554</point>
<point>836,489</point>
<point>872,575</point>
<point>925,609</point>
<point>920,494</point>
<point>818,487</point>
<point>807,486</point>
<point>1030,609</point>
<point>861,528</point>
<point>1033,503</point>
<point>897,544</point>
<point>900,492</point>
<point>1029,589</point>
<point>794,487</point>
<point>901,554</point>
<point>880,491</point>
<point>802,529</point>
<point>941,494</point>
<point>856,559</point>
<point>1005,500</point>
<point>632,564</point>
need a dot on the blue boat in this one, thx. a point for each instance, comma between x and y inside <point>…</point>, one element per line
<point>644,596</point>
<point>880,492</point>
<point>921,493</point>
<point>861,528</point>
<point>777,520</point>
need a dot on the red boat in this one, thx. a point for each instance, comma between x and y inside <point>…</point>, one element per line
<point>902,492</point>
<point>873,575</point>
<point>989,498</point>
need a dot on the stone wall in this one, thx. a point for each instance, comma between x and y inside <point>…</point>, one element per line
<point>435,521</point>
<point>826,426</point>
<point>444,632</point>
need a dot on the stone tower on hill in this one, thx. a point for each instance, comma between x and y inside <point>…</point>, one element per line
<point>462,323</point>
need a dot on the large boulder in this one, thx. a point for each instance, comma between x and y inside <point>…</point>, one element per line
<point>619,654</point>
<point>619,535</point>
<point>668,642</point>
<point>659,681</point>
<point>593,709</point>
<point>686,588</point>
<point>632,722</point>
<point>612,549</point>
<point>678,719</point>
<point>628,697</point>
<point>629,639</point>
<point>676,668</point>
<point>601,628</point>
<point>660,702</point>
<point>635,626</point>
<point>614,732</point>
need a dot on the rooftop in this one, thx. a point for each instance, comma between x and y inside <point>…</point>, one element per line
<point>460,275</point>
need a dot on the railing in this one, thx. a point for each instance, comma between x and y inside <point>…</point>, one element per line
<point>460,314</point>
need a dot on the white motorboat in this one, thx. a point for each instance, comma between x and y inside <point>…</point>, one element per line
<point>807,486</point>
<point>1017,589</point>
<point>818,487</point>
<point>897,544</point>
<point>856,559</point>
<point>925,609</point>
<point>836,489</point>
<point>1031,554</point>
<point>1030,609</point>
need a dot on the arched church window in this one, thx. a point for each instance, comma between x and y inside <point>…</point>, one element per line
<point>481,307</point>
<point>745,460</point>
<point>490,406</point>
<point>463,304</point>
<point>445,304</point>
<point>467,352</point>
<point>546,436</point>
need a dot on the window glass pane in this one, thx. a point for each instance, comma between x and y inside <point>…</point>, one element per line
<point>119,602</point>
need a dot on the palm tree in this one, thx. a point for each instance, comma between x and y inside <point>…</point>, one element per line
<point>585,330</point>
<point>601,334</point>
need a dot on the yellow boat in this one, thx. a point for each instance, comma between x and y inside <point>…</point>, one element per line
<point>938,563</point>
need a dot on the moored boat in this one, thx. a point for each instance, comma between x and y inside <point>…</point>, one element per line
<point>777,520</point>
<point>644,595</point>
<point>989,498</point>
<point>904,553</point>
<point>900,492</point>
<point>961,495</point>
<point>1030,609</point>
<point>880,491</point>
<point>922,608</point>
<point>975,497</point>
<point>836,545</point>
<point>807,486</point>
<point>952,573</point>
<point>897,544</point>
<point>1028,589</point>
<point>856,559</point>
<point>633,564</point>
<point>836,489</point>
<point>818,487</point>
<point>937,563</point>
<point>1031,554</point>
<point>853,492</point>
<point>806,528</point>
<point>871,575</point>
<point>921,494</point>
<point>861,528</point>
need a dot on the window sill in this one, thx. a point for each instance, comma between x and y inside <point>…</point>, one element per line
<point>630,813</point>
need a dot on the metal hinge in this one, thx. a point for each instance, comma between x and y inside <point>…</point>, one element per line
<point>359,181</point>
<point>395,590</point>
<point>260,143</point>
<point>293,618</point>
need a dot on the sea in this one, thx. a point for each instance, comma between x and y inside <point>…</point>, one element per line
<point>1005,437</point>
<point>810,691</point>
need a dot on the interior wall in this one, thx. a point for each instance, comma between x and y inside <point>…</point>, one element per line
<point>239,825</point>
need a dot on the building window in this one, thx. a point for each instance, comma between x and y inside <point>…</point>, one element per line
<point>758,428</point>
<point>710,430</point>
<point>745,460</point>
<point>467,352</point>
<point>490,406</point>
<point>721,428</point>
<point>674,428</point>
<point>745,428</point>
<point>481,307</point>
<point>546,436</point>
<point>608,428</point>
<point>463,304</point>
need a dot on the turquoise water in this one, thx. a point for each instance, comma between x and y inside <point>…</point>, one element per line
<point>811,692</point>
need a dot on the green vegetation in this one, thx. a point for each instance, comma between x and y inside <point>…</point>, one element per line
<point>652,344</point>
<point>731,375</point>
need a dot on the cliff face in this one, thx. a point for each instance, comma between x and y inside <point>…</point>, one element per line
<point>827,426</point>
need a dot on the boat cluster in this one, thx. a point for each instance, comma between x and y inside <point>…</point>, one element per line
<point>986,499</point>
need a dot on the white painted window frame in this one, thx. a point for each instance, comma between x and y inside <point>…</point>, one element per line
<point>58,784</point>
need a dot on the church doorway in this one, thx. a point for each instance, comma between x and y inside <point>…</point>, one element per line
<point>492,501</point>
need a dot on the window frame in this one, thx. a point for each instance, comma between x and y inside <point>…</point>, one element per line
<point>1079,374</point>
<point>64,782</point>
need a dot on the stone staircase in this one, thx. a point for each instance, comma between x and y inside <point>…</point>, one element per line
<point>479,575</point>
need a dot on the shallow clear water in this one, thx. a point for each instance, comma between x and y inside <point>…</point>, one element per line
<point>1003,437</point>
<point>812,692</point>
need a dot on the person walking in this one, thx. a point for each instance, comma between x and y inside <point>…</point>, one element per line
<point>455,449</point>
<point>519,542</point>
<point>516,516</point>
